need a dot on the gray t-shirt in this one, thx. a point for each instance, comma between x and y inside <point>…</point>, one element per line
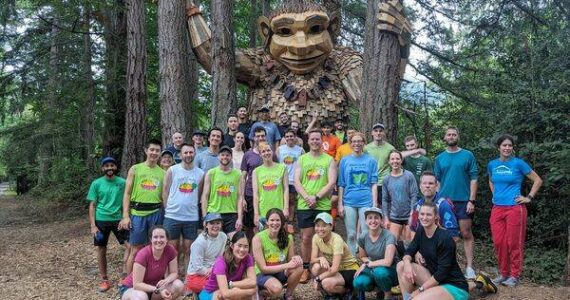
<point>399,196</point>
<point>207,160</point>
<point>204,251</point>
<point>376,250</point>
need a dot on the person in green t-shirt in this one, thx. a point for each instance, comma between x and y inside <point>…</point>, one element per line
<point>105,205</point>
<point>417,163</point>
<point>270,185</point>
<point>142,200</point>
<point>380,149</point>
<point>275,261</point>
<point>222,192</point>
<point>315,177</point>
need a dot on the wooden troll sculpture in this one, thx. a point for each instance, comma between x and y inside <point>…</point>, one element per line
<point>299,70</point>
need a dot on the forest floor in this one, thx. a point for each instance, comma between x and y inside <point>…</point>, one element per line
<point>46,253</point>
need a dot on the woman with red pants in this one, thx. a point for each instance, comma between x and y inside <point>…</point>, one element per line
<point>509,214</point>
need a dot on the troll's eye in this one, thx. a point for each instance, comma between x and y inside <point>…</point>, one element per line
<point>284,31</point>
<point>316,29</point>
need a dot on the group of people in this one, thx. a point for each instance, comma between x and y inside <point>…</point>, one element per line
<point>224,216</point>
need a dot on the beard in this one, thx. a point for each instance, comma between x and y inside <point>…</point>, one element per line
<point>188,160</point>
<point>110,172</point>
<point>451,143</point>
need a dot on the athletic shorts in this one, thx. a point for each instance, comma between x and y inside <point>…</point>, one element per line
<point>106,227</point>
<point>141,225</point>
<point>379,190</point>
<point>262,279</point>
<point>456,293</point>
<point>195,283</point>
<point>348,276</point>
<point>292,189</point>
<point>205,295</point>
<point>461,210</point>
<point>306,218</point>
<point>248,213</point>
<point>123,289</point>
<point>175,228</point>
<point>230,220</point>
<point>399,222</point>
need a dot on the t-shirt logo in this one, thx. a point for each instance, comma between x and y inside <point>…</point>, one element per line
<point>359,177</point>
<point>326,146</point>
<point>503,170</point>
<point>315,174</point>
<point>288,160</point>
<point>187,187</point>
<point>149,185</point>
<point>270,184</point>
<point>225,190</point>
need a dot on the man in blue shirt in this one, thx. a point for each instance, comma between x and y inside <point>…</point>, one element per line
<point>456,170</point>
<point>273,135</point>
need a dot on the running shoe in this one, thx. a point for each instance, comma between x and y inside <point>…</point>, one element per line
<point>511,282</point>
<point>305,277</point>
<point>499,279</point>
<point>396,290</point>
<point>488,285</point>
<point>470,273</point>
<point>104,286</point>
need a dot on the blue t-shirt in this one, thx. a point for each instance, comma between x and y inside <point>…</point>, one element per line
<point>454,171</point>
<point>507,178</point>
<point>446,212</point>
<point>272,132</point>
<point>356,175</point>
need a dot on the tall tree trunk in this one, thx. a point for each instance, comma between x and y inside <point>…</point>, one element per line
<point>223,62</point>
<point>174,69</point>
<point>88,108</point>
<point>135,117</point>
<point>333,7</point>
<point>46,148</point>
<point>253,23</point>
<point>193,77</point>
<point>381,79</point>
<point>114,22</point>
<point>265,7</point>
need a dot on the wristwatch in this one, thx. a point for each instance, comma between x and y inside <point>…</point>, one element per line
<point>366,263</point>
<point>421,289</point>
<point>530,197</point>
<point>317,198</point>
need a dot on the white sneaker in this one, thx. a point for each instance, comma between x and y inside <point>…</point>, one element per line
<point>470,273</point>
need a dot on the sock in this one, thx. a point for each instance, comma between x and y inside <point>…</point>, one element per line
<point>407,296</point>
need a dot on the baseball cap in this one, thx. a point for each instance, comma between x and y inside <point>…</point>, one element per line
<point>325,217</point>
<point>378,125</point>
<point>264,108</point>
<point>108,159</point>
<point>198,132</point>
<point>166,152</point>
<point>374,210</point>
<point>226,148</point>
<point>212,217</point>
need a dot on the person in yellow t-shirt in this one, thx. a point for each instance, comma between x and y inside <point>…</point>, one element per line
<point>332,264</point>
<point>344,149</point>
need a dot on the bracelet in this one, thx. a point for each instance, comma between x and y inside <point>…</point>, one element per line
<point>531,197</point>
<point>472,202</point>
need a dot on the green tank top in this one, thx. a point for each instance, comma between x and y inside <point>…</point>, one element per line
<point>223,190</point>
<point>314,176</point>
<point>271,253</point>
<point>147,187</point>
<point>270,187</point>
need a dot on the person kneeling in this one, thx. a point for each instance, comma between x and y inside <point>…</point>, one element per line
<point>440,277</point>
<point>275,259</point>
<point>377,251</point>
<point>233,276</point>
<point>332,264</point>
<point>147,280</point>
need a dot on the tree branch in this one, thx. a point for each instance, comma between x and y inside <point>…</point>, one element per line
<point>73,30</point>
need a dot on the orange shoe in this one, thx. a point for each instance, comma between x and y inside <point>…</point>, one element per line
<point>305,277</point>
<point>104,286</point>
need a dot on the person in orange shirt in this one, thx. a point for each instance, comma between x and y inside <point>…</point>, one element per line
<point>344,149</point>
<point>330,141</point>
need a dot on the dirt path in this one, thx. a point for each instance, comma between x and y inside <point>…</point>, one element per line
<point>46,254</point>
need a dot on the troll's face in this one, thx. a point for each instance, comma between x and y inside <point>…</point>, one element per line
<point>300,41</point>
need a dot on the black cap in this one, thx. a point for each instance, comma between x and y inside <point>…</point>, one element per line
<point>225,148</point>
<point>264,108</point>
<point>108,159</point>
<point>198,132</point>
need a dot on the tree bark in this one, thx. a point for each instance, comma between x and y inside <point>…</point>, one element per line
<point>135,117</point>
<point>88,108</point>
<point>46,147</point>
<point>174,69</point>
<point>253,24</point>
<point>223,62</point>
<point>114,21</point>
<point>381,79</point>
<point>265,7</point>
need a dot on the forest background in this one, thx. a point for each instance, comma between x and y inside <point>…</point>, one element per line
<point>487,67</point>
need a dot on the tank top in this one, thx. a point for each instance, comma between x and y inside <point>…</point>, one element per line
<point>182,203</point>
<point>223,190</point>
<point>147,187</point>
<point>271,253</point>
<point>289,156</point>
<point>269,187</point>
<point>314,176</point>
